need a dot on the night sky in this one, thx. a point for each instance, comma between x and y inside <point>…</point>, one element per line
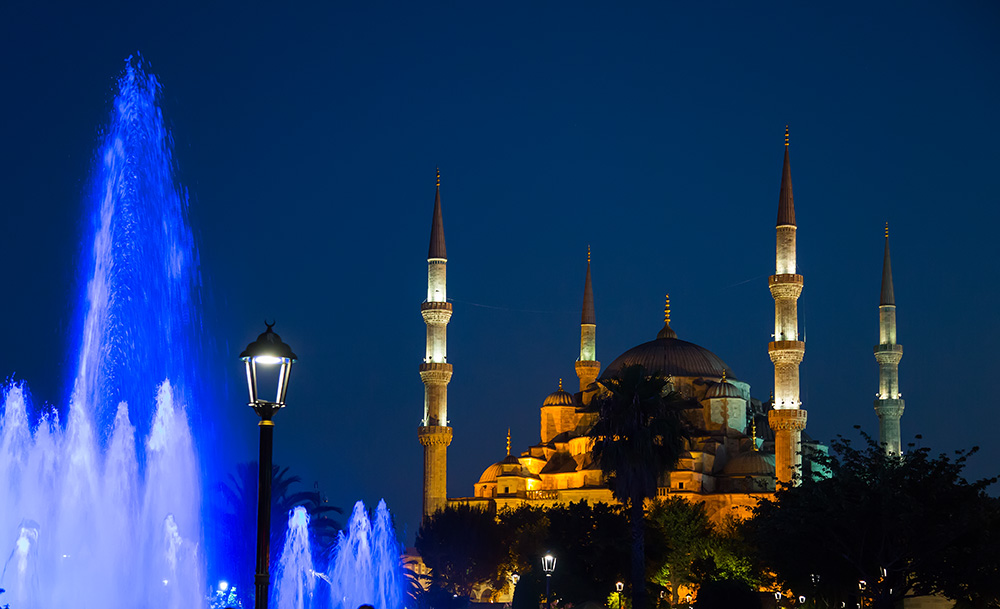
<point>308,134</point>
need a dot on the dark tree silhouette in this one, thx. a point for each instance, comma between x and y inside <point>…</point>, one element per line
<point>639,436</point>
<point>904,524</point>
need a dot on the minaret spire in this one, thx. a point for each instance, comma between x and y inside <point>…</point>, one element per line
<point>889,403</point>
<point>786,418</point>
<point>587,367</point>
<point>434,433</point>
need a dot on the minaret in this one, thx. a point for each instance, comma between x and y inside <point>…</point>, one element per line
<point>889,405</point>
<point>435,372</point>
<point>787,419</point>
<point>587,367</point>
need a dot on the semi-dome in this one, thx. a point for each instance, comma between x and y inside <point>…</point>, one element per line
<point>753,463</point>
<point>670,356</point>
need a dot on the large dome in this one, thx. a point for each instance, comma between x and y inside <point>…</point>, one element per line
<point>671,356</point>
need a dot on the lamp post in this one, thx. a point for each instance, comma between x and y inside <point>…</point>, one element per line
<point>619,586</point>
<point>267,351</point>
<point>548,566</point>
<point>862,584</point>
<point>514,578</point>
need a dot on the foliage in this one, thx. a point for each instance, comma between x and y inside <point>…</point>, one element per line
<point>590,543</point>
<point>239,519</point>
<point>463,546</point>
<point>691,550</point>
<point>638,437</point>
<point>902,523</point>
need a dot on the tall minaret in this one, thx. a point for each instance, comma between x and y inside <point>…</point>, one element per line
<point>435,372</point>
<point>587,367</point>
<point>787,419</point>
<point>889,405</point>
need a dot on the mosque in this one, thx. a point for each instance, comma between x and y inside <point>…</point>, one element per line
<point>742,447</point>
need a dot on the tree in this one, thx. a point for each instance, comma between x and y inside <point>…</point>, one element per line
<point>902,523</point>
<point>590,542</point>
<point>638,437</point>
<point>688,548</point>
<point>463,546</point>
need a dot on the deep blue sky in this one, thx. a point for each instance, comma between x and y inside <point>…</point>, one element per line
<point>308,136</point>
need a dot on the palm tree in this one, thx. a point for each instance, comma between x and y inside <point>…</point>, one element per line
<point>238,497</point>
<point>639,436</point>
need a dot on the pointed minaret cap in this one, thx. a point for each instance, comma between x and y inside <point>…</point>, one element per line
<point>786,203</point>
<point>667,331</point>
<point>437,249</point>
<point>588,317</point>
<point>888,298</point>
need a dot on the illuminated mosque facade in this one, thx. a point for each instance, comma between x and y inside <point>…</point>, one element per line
<point>741,447</point>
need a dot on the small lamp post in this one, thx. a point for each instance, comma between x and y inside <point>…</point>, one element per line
<point>862,585</point>
<point>514,578</point>
<point>266,351</point>
<point>619,586</point>
<point>548,566</point>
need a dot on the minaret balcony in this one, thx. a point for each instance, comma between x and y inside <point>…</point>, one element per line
<point>888,348</point>
<point>785,286</point>
<point>436,312</point>
<point>432,306</point>
<point>435,373</point>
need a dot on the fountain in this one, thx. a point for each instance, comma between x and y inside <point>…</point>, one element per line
<point>296,577</point>
<point>100,503</point>
<point>91,517</point>
<point>366,567</point>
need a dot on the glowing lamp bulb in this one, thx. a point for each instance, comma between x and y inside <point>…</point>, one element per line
<point>267,360</point>
<point>223,585</point>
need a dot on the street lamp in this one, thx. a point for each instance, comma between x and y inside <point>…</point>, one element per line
<point>548,565</point>
<point>862,584</point>
<point>267,352</point>
<point>514,578</point>
<point>619,586</point>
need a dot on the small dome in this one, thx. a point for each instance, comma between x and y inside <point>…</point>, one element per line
<point>510,460</point>
<point>723,389</point>
<point>753,463</point>
<point>559,397</point>
<point>491,473</point>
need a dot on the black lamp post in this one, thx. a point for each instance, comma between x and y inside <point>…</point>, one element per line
<point>548,565</point>
<point>267,351</point>
<point>619,586</point>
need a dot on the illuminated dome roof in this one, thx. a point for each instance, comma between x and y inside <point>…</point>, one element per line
<point>670,356</point>
<point>559,397</point>
<point>491,473</point>
<point>753,463</point>
<point>724,389</point>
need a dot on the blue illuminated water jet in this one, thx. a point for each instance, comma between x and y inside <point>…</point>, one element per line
<point>102,509</point>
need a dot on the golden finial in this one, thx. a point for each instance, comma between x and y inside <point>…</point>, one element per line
<point>666,311</point>
<point>508,441</point>
<point>723,375</point>
<point>786,136</point>
<point>588,253</point>
<point>560,384</point>
<point>886,230</point>
<point>753,428</point>
<point>439,177</point>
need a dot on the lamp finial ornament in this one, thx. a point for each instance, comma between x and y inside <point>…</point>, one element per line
<point>886,230</point>
<point>786,136</point>
<point>666,310</point>
<point>439,177</point>
<point>508,441</point>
